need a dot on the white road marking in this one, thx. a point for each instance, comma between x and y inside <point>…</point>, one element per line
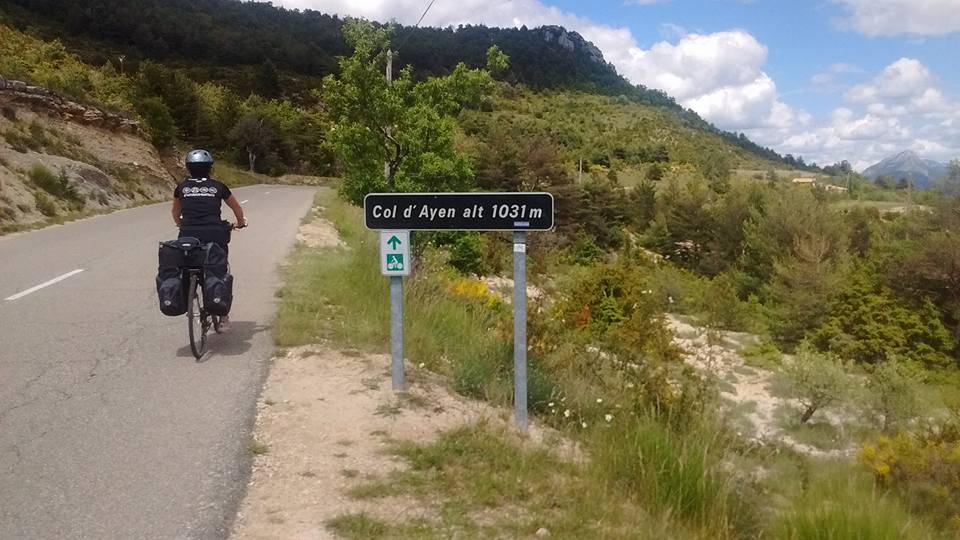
<point>245,202</point>
<point>53,281</point>
<point>266,192</point>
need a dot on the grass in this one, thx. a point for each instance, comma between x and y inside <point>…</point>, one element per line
<point>479,481</point>
<point>258,448</point>
<point>359,526</point>
<point>236,177</point>
<point>840,503</point>
<point>340,296</point>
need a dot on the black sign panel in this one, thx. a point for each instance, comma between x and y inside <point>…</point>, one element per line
<point>459,211</point>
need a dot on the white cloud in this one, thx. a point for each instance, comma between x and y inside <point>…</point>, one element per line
<point>893,17</point>
<point>904,78</point>
<point>826,79</point>
<point>901,107</point>
<point>718,75</point>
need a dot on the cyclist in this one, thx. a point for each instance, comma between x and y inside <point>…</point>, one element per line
<point>196,206</point>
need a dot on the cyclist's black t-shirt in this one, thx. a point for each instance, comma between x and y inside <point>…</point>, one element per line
<point>200,201</point>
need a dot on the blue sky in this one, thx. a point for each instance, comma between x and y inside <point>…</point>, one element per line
<point>825,79</point>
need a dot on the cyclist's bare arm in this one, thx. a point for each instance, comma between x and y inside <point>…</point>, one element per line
<point>234,205</point>
<point>176,211</point>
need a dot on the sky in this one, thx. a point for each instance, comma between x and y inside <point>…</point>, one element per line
<point>828,80</point>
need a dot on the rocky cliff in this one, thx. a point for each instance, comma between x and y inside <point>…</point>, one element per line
<point>59,157</point>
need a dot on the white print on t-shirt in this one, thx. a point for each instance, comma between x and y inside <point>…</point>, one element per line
<point>199,192</point>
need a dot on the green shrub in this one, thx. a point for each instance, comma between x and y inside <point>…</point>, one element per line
<point>57,185</point>
<point>894,393</point>
<point>584,251</point>
<point>38,137</point>
<point>158,120</point>
<point>818,379</point>
<point>45,204</point>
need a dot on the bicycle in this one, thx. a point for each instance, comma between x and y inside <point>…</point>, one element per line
<point>198,320</point>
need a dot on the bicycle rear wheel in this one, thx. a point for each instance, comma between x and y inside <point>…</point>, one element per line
<point>198,332</point>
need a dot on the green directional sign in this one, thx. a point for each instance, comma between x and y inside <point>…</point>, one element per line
<point>395,253</point>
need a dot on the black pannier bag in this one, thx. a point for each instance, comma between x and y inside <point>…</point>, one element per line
<point>171,292</point>
<point>217,281</point>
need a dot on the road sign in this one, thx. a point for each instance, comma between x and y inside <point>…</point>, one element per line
<point>459,211</point>
<point>395,253</point>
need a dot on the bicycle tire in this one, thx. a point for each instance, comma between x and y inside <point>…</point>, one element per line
<point>198,344</point>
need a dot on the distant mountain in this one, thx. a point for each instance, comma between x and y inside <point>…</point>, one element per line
<point>908,164</point>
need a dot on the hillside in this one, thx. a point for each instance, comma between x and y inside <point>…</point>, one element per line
<point>58,157</point>
<point>228,41</point>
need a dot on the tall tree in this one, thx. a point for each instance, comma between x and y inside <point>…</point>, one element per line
<point>407,125</point>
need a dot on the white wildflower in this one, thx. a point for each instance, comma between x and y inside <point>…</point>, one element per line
<point>583,425</point>
<point>608,418</point>
<point>566,413</point>
<point>599,400</point>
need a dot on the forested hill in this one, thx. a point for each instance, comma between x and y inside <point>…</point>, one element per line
<point>207,36</point>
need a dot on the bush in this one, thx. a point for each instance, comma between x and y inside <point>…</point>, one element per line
<point>158,120</point>
<point>819,380</point>
<point>57,185</point>
<point>924,468</point>
<point>45,204</point>
<point>894,393</point>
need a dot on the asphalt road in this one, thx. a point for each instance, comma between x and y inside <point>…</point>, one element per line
<point>108,426</point>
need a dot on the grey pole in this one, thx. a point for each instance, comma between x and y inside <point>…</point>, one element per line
<point>520,328</point>
<point>396,332</point>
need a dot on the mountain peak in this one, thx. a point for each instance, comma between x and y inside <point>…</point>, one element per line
<point>908,164</point>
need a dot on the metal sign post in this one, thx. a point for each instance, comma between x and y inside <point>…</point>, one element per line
<point>395,214</point>
<point>396,332</point>
<point>395,262</point>
<point>520,329</point>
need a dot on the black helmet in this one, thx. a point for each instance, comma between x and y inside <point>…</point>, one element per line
<point>199,163</point>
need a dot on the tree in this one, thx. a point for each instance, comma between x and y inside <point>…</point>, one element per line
<point>406,125</point>
<point>159,122</point>
<point>256,133</point>
<point>801,287</point>
<point>819,380</point>
<point>867,323</point>
<point>267,80</point>
<point>950,185</point>
<point>894,393</point>
<point>497,61</point>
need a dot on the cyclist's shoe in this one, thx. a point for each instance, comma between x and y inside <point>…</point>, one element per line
<point>224,324</point>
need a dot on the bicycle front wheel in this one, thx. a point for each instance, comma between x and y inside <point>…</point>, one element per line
<point>198,334</point>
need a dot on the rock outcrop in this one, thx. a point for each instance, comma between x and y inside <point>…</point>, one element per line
<point>572,41</point>
<point>40,99</point>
